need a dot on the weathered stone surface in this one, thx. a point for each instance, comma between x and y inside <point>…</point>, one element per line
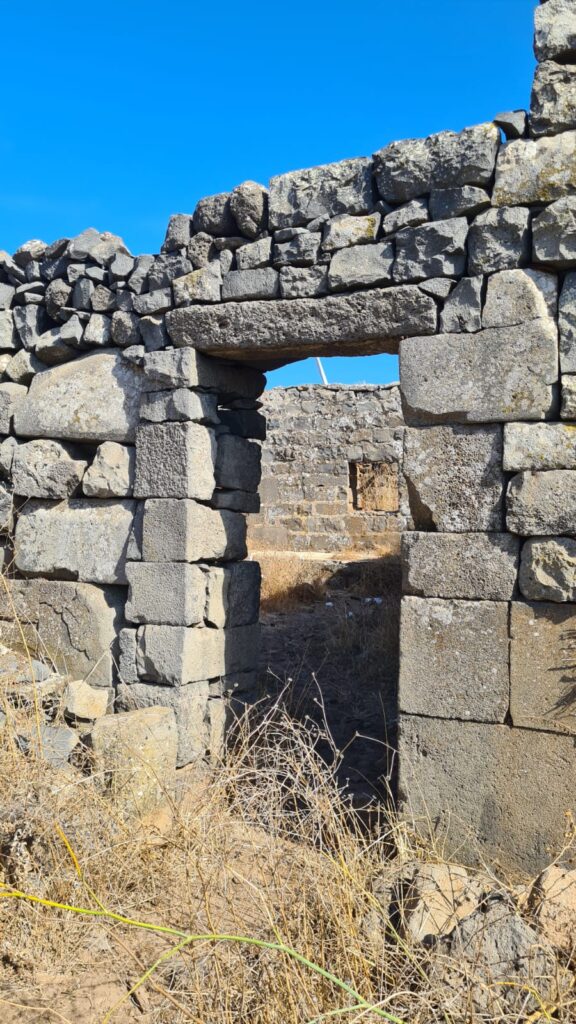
<point>190,369</point>
<point>437,249</point>
<point>361,323</point>
<point>463,309</point>
<point>233,594</point>
<point>172,594</point>
<point>11,396</point>
<point>299,197</point>
<point>99,247</point>
<point>125,329</point>
<point>499,240</point>
<point>177,233</point>
<point>213,215</point>
<point>458,202</point>
<point>344,230</point>
<point>542,503</point>
<point>174,460</point>
<point>236,501</point>
<point>204,285</point>
<point>184,531</point>
<point>567,324</point>
<point>536,170</point>
<point>361,265</point>
<point>249,208</point>
<point>553,103</point>
<point>6,295</point>
<point>80,700</point>
<point>512,123</point>
<point>469,566</point>
<point>8,336</point>
<point>251,284</point>
<point>539,446</point>
<point>541,666</point>
<point>77,623</point>
<point>568,407</point>
<point>454,659</point>
<point>472,780</point>
<point>149,303</point>
<point>554,233</point>
<point>237,464</point>
<point>455,479</point>
<point>179,405</point>
<point>299,282</point>
<point>191,707</point>
<point>548,569</point>
<point>55,743</point>
<point>413,167</point>
<point>75,539</point>
<point>98,331</point>
<point>135,757</point>
<point>515,296</point>
<point>6,509</point>
<point>434,899</point>
<point>255,255</point>
<point>47,469</point>
<point>111,474</point>
<point>94,398</point>
<point>555,31</point>
<point>301,250</point>
<point>553,903</point>
<point>23,366</point>
<point>176,655</point>
<point>496,374</point>
<point>410,215</point>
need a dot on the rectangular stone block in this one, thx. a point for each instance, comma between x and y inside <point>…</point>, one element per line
<point>168,369</point>
<point>184,531</point>
<point>179,405</point>
<point>496,374</point>
<point>176,655</point>
<point>190,707</point>
<point>487,792</point>
<point>542,503</point>
<point>553,100</point>
<point>454,478</point>
<point>470,566</point>
<point>11,396</point>
<point>536,170</point>
<point>164,593</point>
<point>237,463</point>
<point>431,250</point>
<point>78,624</point>
<point>454,659</point>
<point>539,446</point>
<point>174,460</point>
<point>233,594</point>
<point>298,197</point>
<point>567,324</point>
<point>542,678</point>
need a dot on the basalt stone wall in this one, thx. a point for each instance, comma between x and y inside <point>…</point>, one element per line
<point>128,461</point>
<point>331,472</point>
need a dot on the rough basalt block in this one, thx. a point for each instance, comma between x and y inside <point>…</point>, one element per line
<point>233,594</point>
<point>344,231</point>
<point>135,757</point>
<point>536,170</point>
<point>191,707</point>
<point>499,240</point>
<point>463,307</point>
<point>497,374</point>
<point>184,531</point>
<point>237,463</point>
<point>413,167</point>
<point>431,250</point>
<point>454,659</point>
<point>553,103</point>
<point>174,460</point>
<point>555,31</point>
<point>322,192</point>
<point>516,296</point>
<point>111,474</point>
<point>554,234</point>
<point>567,324</point>
<point>548,569</point>
<point>251,284</point>
<point>542,503</point>
<point>78,625</point>
<point>469,566</point>
<point>475,783</point>
<point>539,446</point>
<point>176,655</point>
<point>361,265</point>
<point>189,369</point>
<point>568,391</point>
<point>11,396</point>
<point>171,594</point>
<point>360,323</point>
<point>47,469</point>
<point>455,479</point>
<point>179,405</point>
<point>541,666</point>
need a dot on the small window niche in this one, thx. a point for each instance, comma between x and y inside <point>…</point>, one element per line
<point>374,486</point>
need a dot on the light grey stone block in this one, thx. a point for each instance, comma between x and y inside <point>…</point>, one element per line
<point>190,705</point>
<point>455,479</point>
<point>139,276</point>
<point>233,594</point>
<point>85,702</point>
<point>496,374</point>
<point>8,336</point>
<point>410,215</point>
<point>499,240</point>
<point>541,690</point>
<point>157,301</point>
<point>98,330</point>
<point>567,324</point>
<point>249,208</point>
<point>11,396</point>
<point>204,285</point>
<point>299,251</point>
<point>299,197</point>
<point>7,292</point>
<point>535,170</point>
<point>437,249</point>
<point>74,539</point>
<point>135,758</point>
<point>127,645</point>
<point>98,247</point>
<point>174,460</point>
<point>414,167</point>
<point>553,102</point>
<point>554,233</point>
<point>78,625</point>
<point>516,296</point>
<point>251,284</point>
<point>166,268</point>
<point>454,659</point>
<point>299,282</point>
<point>111,474</point>
<point>548,570</point>
<point>176,655</point>
<point>47,469</point>
<point>342,231</point>
<point>172,594</point>
<point>439,287</point>
<point>539,446</point>
<point>329,326</point>
<point>184,531</point>
<point>179,405</point>
<point>237,464</point>
<point>472,781</point>
<point>463,309</point>
<point>190,369</point>
<point>468,566</point>
<point>254,255</point>
<point>214,216</point>
<point>542,503</point>
<point>125,329</point>
<point>23,366</point>
<point>512,123</point>
<point>177,232</point>
<point>568,407</point>
<point>361,265</point>
<point>555,31</point>
<point>458,202</point>
<point>6,509</point>
<point>94,398</point>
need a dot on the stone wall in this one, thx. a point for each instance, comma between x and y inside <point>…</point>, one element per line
<point>128,462</point>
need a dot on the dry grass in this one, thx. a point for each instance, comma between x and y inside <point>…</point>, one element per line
<point>265,846</point>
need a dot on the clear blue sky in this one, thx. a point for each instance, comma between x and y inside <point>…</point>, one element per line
<point>117,115</point>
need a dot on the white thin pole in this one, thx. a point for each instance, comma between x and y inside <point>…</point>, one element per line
<point>321,369</point>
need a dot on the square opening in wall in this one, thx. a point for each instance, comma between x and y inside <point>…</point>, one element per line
<point>374,486</point>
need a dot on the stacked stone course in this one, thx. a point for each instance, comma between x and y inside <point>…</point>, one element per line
<point>459,249</point>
